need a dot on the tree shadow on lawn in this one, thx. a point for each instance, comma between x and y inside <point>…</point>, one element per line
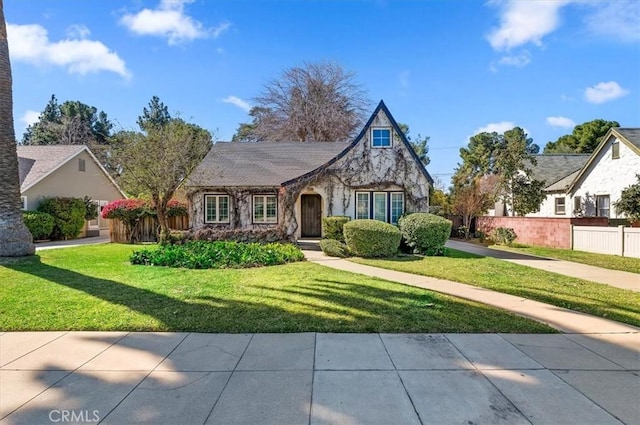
<point>324,306</point>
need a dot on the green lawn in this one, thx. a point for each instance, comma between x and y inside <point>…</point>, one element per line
<point>95,288</point>
<point>613,262</point>
<point>551,288</point>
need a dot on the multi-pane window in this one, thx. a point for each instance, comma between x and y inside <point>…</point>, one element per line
<point>265,209</point>
<point>397,206</point>
<point>560,206</point>
<point>362,205</point>
<point>615,150</point>
<point>381,137</point>
<point>383,206</point>
<point>380,206</point>
<point>602,205</point>
<point>23,200</point>
<point>216,208</point>
<point>577,205</point>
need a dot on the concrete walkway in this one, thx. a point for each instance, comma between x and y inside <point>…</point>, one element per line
<point>309,378</point>
<point>565,320</point>
<point>620,279</point>
<point>73,242</point>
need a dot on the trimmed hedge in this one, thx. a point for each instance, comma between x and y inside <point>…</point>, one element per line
<point>240,235</point>
<point>333,227</point>
<point>40,224</point>
<point>372,238</point>
<point>218,255</point>
<point>68,216</point>
<point>425,233</point>
<point>334,248</point>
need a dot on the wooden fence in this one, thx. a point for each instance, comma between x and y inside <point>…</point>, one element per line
<point>145,231</point>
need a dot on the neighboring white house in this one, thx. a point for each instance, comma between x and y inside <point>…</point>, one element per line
<point>611,168</point>
<point>70,171</point>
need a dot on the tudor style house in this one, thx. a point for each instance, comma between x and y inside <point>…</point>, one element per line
<point>291,186</point>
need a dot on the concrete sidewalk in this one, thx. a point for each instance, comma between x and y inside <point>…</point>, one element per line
<point>94,240</point>
<point>620,279</point>
<point>309,378</point>
<point>565,320</point>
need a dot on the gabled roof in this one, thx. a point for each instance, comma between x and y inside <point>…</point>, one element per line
<point>35,163</point>
<point>272,164</point>
<point>261,163</point>
<point>555,169</point>
<point>381,107</point>
<point>628,136</point>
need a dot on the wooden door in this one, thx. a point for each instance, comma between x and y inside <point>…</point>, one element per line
<point>311,216</point>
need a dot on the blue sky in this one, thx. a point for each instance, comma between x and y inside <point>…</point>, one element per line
<point>448,69</point>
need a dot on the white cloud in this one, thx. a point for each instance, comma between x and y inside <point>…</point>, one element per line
<point>604,92</point>
<point>169,20</point>
<point>519,61</point>
<point>562,122</point>
<point>498,127</point>
<point>618,19</point>
<point>524,22</point>
<point>31,44</point>
<point>78,31</point>
<point>30,117</point>
<point>234,100</point>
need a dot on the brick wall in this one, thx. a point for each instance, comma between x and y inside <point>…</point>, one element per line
<point>540,231</point>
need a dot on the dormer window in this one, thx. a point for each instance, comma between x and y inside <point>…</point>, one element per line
<point>381,137</point>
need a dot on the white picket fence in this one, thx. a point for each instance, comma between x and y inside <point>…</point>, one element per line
<point>623,241</point>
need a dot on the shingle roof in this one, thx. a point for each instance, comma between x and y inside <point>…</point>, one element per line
<point>35,162</point>
<point>558,170</point>
<point>631,134</point>
<point>261,164</point>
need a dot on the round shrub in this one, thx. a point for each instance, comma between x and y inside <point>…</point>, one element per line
<point>68,216</point>
<point>40,224</point>
<point>334,248</point>
<point>372,238</point>
<point>332,227</point>
<point>425,233</point>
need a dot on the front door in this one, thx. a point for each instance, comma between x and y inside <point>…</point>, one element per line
<point>311,216</point>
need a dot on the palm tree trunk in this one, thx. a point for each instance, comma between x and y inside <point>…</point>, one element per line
<point>15,239</point>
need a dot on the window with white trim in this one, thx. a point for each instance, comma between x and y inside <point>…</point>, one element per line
<point>265,209</point>
<point>81,165</point>
<point>383,206</point>
<point>216,208</point>
<point>381,137</point>
<point>23,200</point>
<point>380,206</point>
<point>560,206</point>
<point>362,205</point>
<point>397,206</point>
<point>603,205</point>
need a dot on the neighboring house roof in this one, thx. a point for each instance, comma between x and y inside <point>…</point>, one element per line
<point>37,162</point>
<point>628,136</point>
<point>261,163</point>
<point>250,164</point>
<point>557,170</point>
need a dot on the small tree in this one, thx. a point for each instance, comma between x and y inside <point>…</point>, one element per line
<point>475,198</point>
<point>629,202</point>
<point>154,164</point>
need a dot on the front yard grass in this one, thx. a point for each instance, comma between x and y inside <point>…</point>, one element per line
<point>612,262</point>
<point>551,288</point>
<point>95,288</point>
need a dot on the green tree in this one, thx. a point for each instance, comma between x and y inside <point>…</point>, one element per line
<point>154,117</point>
<point>629,202</point>
<point>420,145</point>
<point>508,156</point>
<point>15,239</point>
<point>584,138</point>
<point>155,163</point>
